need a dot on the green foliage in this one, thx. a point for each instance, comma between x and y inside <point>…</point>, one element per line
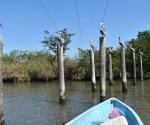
<point>26,66</point>
<point>142,42</point>
<point>97,63</point>
<point>29,66</point>
<point>83,64</point>
<point>71,69</point>
<point>116,62</point>
<point>51,41</point>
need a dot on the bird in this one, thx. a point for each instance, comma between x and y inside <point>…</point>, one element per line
<point>102,29</point>
<point>91,45</point>
<point>1,25</point>
<point>60,34</point>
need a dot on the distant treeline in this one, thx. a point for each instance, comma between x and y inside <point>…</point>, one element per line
<point>22,66</point>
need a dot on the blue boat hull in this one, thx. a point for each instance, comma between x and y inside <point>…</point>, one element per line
<point>101,113</point>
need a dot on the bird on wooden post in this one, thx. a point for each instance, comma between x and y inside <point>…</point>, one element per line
<point>141,65</point>
<point>92,62</point>
<point>1,25</point>
<point>102,63</point>
<point>62,98</point>
<point>123,67</point>
<point>2,120</point>
<point>134,63</point>
<point>110,66</point>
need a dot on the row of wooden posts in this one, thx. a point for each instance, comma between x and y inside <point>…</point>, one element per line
<point>102,39</point>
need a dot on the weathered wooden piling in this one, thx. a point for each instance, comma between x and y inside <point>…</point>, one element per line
<point>102,63</point>
<point>1,83</point>
<point>110,67</point>
<point>134,64</point>
<point>141,65</point>
<point>92,62</point>
<point>123,67</point>
<point>62,98</point>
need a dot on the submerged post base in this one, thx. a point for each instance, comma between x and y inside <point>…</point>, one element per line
<point>134,82</point>
<point>62,100</point>
<point>124,86</point>
<point>111,82</point>
<point>124,90</point>
<point>102,98</point>
<point>93,87</point>
<point>141,79</point>
<point>2,120</point>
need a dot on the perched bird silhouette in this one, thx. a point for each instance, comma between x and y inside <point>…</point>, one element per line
<point>1,25</point>
<point>102,29</point>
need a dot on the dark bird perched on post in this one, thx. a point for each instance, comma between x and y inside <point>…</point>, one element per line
<point>1,25</point>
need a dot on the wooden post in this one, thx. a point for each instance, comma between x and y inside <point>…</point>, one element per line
<point>93,79</point>
<point>62,98</point>
<point>141,65</point>
<point>123,67</point>
<point>134,64</point>
<point>110,67</point>
<point>102,63</point>
<point>1,83</point>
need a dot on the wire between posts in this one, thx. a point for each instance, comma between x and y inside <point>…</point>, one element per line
<point>48,14</point>
<point>78,20</point>
<point>105,10</point>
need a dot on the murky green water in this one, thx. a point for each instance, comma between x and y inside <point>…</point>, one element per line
<point>37,103</point>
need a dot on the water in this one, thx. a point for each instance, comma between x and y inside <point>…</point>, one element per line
<point>37,103</point>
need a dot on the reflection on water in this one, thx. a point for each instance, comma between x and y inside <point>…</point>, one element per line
<point>95,98</point>
<point>37,103</point>
<point>142,88</point>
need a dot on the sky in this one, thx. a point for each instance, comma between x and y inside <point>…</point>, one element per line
<point>25,21</point>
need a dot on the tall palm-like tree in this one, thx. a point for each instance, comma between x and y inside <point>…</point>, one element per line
<point>52,40</point>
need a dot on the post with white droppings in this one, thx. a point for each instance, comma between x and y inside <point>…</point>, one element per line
<point>134,64</point>
<point>110,67</point>
<point>92,62</point>
<point>62,98</point>
<point>1,83</point>
<point>141,65</point>
<point>102,63</point>
<point>123,67</point>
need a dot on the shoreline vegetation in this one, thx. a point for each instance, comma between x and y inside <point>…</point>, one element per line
<point>25,66</point>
